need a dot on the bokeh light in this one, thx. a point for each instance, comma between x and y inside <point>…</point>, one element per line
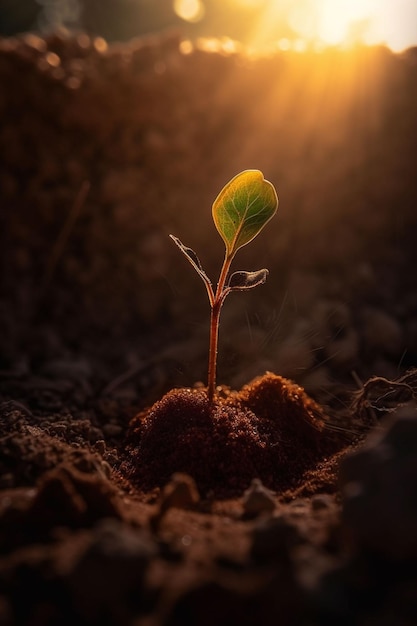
<point>189,10</point>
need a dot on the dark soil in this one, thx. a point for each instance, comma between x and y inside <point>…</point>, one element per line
<point>125,496</point>
<point>270,430</point>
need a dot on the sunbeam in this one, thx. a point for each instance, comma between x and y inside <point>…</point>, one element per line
<point>331,22</point>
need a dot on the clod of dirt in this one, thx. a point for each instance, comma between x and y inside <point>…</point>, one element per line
<point>270,430</point>
<point>274,538</point>
<point>379,485</point>
<point>257,500</point>
<point>72,498</point>
<point>181,492</point>
<point>106,581</point>
<point>65,497</point>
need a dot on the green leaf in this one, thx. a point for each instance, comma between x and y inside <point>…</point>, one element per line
<point>241,281</point>
<point>242,209</point>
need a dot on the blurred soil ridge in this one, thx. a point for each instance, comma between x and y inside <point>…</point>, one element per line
<point>104,151</point>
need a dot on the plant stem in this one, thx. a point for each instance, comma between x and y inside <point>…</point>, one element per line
<point>214,327</point>
<point>214,336</point>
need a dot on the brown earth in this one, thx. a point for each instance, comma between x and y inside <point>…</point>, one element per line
<point>283,515</point>
<point>270,424</point>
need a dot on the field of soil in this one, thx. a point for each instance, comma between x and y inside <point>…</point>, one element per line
<point>125,496</point>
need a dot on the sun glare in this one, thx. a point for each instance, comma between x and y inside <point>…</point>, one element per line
<point>341,21</point>
<point>333,22</point>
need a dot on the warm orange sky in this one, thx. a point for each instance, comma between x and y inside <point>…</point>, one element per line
<point>328,22</point>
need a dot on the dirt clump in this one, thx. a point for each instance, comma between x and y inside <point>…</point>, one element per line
<point>269,430</point>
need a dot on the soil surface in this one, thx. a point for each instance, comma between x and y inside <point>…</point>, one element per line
<point>125,496</point>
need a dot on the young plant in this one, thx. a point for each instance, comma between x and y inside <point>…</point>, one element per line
<point>240,211</point>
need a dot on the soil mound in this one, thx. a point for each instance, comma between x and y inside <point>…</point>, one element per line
<point>269,430</point>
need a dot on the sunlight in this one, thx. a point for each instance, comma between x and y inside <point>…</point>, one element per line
<point>335,22</point>
<point>251,3</point>
<point>340,21</point>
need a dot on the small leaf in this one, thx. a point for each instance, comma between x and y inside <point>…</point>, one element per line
<point>240,281</point>
<point>195,262</point>
<point>189,253</point>
<point>242,209</point>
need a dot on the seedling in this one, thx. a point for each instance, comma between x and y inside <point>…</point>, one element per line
<point>240,211</point>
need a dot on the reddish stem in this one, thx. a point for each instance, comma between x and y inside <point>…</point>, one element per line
<point>214,327</point>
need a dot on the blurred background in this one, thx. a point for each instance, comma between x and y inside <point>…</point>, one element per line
<point>254,22</point>
<point>121,122</point>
